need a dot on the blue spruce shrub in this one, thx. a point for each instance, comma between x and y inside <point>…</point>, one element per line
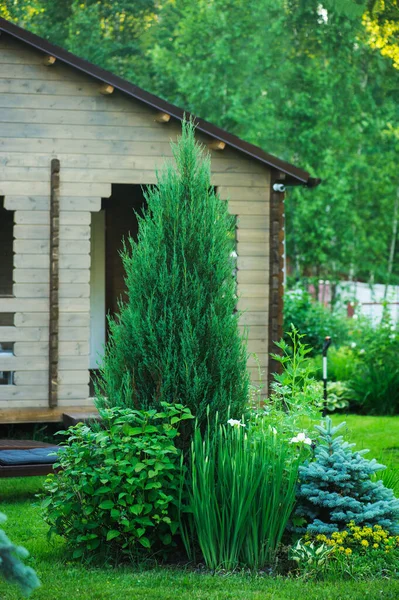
<point>12,569</point>
<point>335,487</point>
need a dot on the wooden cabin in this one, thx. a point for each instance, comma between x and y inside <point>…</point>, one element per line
<point>76,145</point>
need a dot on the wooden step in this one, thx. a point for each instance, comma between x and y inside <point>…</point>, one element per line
<point>72,418</point>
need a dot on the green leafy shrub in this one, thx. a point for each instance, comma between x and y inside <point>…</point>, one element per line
<point>177,337</point>
<point>336,488</point>
<point>342,363</point>
<point>241,488</point>
<point>11,566</point>
<point>117,491</point>
<point>313,320</point>
<point>374,384</point>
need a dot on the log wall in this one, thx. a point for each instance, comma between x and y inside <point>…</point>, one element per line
<point>54,111</point>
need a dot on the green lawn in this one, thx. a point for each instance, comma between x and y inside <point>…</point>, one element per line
<point>63,580</point>
<point>379,434</point>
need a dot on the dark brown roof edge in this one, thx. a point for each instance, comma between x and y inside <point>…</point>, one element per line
<point>295,175</point>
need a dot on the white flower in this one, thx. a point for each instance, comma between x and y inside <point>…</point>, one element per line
<point>301,439</point>
<point>355,317</point>
<point>274,430</point>
<point>235,423</point>
<point>353,345</point>
<point>362,351</point>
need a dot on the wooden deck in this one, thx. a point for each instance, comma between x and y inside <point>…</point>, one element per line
<point>40,415</point>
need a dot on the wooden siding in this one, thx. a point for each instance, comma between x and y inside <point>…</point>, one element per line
<point>56,112</point>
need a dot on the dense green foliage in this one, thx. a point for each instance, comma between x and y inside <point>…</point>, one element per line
<point>12,569</point>
<point>177,339</point>
<point>116,494</point>
<point>315,83</point>
<point>313,320</point>
<point>336,488</point>
<point>241,490</point>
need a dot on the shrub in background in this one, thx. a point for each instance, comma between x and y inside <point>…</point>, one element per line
<point>374,384</point>
<point>241,488</point>
<point>336,488</point>
<point>117,492</point>
<point>11,566</point>
<point>313,320</point>
<point>177,337</point>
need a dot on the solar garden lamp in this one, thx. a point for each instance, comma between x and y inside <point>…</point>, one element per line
<point>327,344</point>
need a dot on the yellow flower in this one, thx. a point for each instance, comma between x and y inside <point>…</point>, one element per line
<point>341,549</point>
<point>375,546</point>
<point>365,543</point>
<point>348,551</point>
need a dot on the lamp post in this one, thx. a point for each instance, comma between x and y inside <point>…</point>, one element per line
<point>327,344</point>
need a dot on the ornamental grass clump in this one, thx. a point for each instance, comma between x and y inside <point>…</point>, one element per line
<point>177,339</point>
<point>241,488</point>
<point>336,488</point>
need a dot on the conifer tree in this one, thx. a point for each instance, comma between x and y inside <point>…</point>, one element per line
<point>11,566</point>
<point>336,488</point>
<point>176,339</point>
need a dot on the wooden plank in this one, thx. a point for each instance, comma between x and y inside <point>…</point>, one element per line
<point>74,377</point>
<point>30,319</point>
<point>74,348</point>
<point>258,346</point>
<point>24,414</point>
<point>252,263</point>
<point>39,85</point>
<point>74,363</point>
<point>39,188</point>
<point>31,232</point>
<point>261,359</point>
<point>74,304</point>
<point>74,217</point>
<point>27,202</point>
<point>74,319</point>
<point>77,247</point>
<point>31,348</point>
<point>73,391</point>
<point>31,290</point>
<point>75,232</point>
<point>55,146</point>
<point>25,402</point>
<point>73,102</point>
<point>253,194</point>
<point>42,217</point>
<point>253,235</point>
<point>120,161</point>
<point>16,363</point>
<point>74,261</point>
<point>91,132</point>
<point>74,275</point>
<point>21,304</point>
<point>15,334</point>
<point>249,290</point>
<point>35,261</point>
<point>254,318</point>
<point>20,56</point>
<point>255,332</point>
<point>31,217</point>
<point>253,304</point>
<point>74,334</point>
<point>252,222</point>
<point>59,72</point>
<point>31,276</point>
<point>252,249</point>
<point>31,246</point>
<point>74,290</point>
<point>72,203</point>
<point>31,377</point>
<point>76,117</point>
<point>248,208</point>
<point>255,277</point>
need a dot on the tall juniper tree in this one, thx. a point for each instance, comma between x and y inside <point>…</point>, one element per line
<point>176,338</point>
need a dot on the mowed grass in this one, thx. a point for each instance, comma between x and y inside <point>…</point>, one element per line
<point>64,580</point>
<point>380,435</point>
